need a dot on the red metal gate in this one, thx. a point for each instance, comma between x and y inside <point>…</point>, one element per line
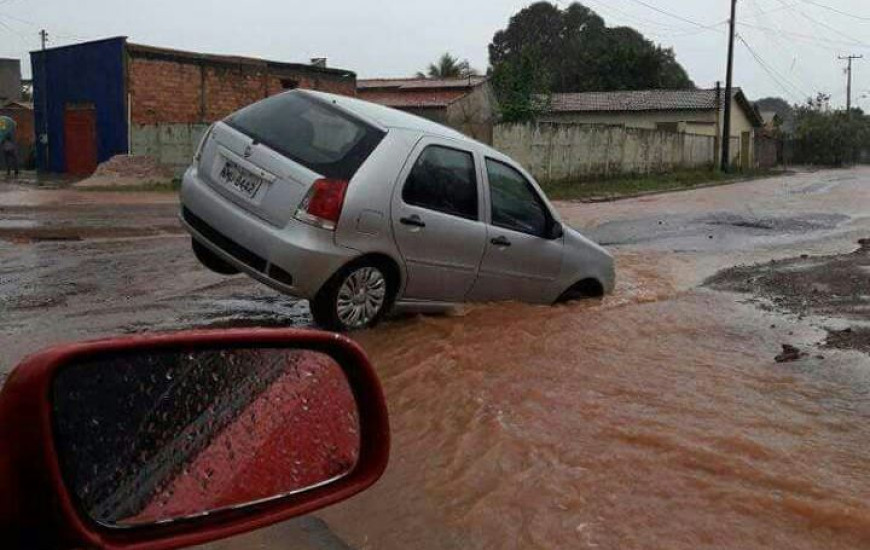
<point>80,139</point>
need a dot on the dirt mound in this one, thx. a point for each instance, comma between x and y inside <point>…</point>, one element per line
<point>127,171</point>
<point>133,167</point>
<point>835,286</point>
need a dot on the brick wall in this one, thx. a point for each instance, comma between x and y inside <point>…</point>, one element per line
<point>174,97</point>
<point>164,91</point>
<point>186,91</point>
<point>228,89</point>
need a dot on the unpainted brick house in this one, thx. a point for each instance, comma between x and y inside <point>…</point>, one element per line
<point>98,99</point>
<point>465,104</point>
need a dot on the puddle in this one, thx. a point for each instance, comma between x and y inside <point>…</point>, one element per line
<point>725,230</point>
<point>18,224</point>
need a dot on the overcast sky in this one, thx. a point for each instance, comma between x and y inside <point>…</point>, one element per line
<point>797,40</point>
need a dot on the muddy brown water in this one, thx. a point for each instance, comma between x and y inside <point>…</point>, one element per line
<point>655,418</point>
<point>621,424</point>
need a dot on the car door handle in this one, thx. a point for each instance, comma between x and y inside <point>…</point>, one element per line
<point>413,221</point>
<point>501,241</point>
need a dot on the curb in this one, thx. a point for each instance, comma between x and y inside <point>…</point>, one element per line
<point>596,200</point>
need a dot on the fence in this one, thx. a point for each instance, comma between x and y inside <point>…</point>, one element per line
<point>768,152</point>
<point>554,151</point>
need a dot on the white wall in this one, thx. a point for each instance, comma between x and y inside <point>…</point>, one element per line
<point>554,151</point>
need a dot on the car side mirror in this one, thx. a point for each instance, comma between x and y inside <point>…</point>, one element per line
<point>555,231</point>
<point>174,440</point>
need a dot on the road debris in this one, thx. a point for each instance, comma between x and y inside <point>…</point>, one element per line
<point>790,353</point>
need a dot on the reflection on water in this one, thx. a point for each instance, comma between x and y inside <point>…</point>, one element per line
<point>666,424</point>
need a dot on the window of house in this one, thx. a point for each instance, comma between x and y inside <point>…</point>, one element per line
<point>443,180</point>
<point>515,203</point>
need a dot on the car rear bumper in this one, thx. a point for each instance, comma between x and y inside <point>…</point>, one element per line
<point>297,259</point>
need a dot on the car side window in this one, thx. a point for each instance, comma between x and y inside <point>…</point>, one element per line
<point>515,204</point>
<point>444,180</point>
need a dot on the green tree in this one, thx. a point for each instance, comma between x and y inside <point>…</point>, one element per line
<point>523,87</point>
<point>448,66</point>
<point>580,53</point>
<point>829,138</point>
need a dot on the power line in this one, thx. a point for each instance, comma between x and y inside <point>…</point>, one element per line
<point>631,17</point>
<point>18,19</point>
<point>781,81</point>
<point>64,35</point>
<point>787,53</point>
<point>758,12</point>
<point>835,10</point>
<point>805,36</point>
<point>825,25</point>
<point>13,30</point>
<point>675,16</point>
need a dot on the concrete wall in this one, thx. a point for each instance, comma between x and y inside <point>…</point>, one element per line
<point>10,80</point>
<point>705,123</point>
<point>554,151</point>
<point>171,144</point>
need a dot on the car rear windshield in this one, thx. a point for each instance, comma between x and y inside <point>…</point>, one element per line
<point>311,132</point>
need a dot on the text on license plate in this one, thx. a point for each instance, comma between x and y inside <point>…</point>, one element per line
<point>240,179</point>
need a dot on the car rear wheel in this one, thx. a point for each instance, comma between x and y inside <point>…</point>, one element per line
<point>355,298</point>
<point>211,260</point>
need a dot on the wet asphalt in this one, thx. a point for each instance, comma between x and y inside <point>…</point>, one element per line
<point>76,265</point>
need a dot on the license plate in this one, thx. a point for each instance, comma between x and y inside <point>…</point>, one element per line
<point>240,179</point>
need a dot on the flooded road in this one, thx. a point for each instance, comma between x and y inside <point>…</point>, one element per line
<point>655,418</point>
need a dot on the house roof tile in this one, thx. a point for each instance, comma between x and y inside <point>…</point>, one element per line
<point>647,100</point>
<point>420,83</point>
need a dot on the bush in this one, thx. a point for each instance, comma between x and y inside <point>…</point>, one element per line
<point>830,138</point>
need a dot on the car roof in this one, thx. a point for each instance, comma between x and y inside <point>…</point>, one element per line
<point>386,117</point>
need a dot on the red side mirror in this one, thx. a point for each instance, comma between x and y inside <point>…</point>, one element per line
<point>173,440</point>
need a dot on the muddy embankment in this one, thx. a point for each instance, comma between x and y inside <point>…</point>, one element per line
<point>828,287</point>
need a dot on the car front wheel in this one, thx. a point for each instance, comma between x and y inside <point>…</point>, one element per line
<point>355,298</point>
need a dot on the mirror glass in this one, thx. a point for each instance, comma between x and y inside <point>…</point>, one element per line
<point>157,436</point>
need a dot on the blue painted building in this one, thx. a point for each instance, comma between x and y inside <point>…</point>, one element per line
<point>95,100</point>
<point>80,104</point>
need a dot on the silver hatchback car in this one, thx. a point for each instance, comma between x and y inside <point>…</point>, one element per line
<point>357,207</point>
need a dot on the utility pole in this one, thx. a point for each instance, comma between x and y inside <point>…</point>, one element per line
<point>43,139</point>
<point>726,124</point>
<point>849,59</point>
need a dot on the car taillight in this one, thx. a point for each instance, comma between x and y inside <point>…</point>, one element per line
<point>323,203</point>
